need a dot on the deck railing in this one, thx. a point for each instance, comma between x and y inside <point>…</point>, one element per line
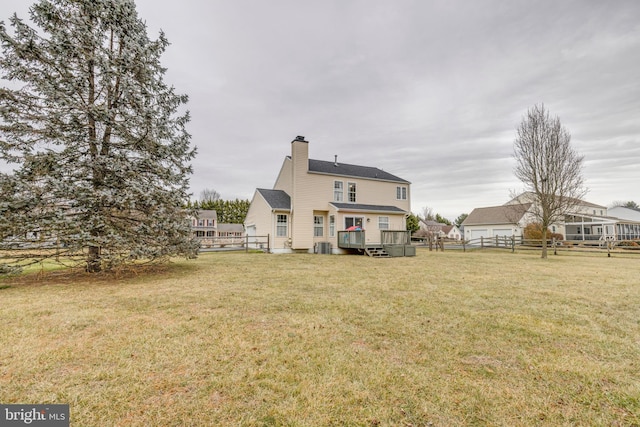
<point>351,239</point>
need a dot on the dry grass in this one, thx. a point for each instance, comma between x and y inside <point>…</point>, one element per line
<point>452,338</point>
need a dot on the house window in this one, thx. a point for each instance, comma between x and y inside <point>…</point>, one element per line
<point>338,191</point>
<point>318,226</point>
<point>383,222</point>
<point>209,223</point>
<point>401,193</point>
<point>351,221</point>
<point>351,187</point>
<point>281,226</point>
<point>201,223</point>
<point>199,233</point>
<point>210,233</point>
<point>332,225</point>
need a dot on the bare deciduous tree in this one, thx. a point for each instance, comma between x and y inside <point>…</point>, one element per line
<point>209,195</point>
<point>427,214</point>
<point>549,168</point>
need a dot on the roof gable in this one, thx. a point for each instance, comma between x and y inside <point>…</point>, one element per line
<point>207,214</point>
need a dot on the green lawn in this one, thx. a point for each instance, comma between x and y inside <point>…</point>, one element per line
<point>476,338</point>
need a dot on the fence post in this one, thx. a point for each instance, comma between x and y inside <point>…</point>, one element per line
<point>481,242</point>
<point>554,245</point>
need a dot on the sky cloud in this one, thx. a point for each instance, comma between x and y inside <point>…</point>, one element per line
<point>429,91</point>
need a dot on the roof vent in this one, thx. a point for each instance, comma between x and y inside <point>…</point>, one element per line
<point>299,138</point>
<point>335,161</point>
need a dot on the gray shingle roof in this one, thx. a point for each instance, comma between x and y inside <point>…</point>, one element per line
<point>506,214</point>
<point>321,166</point>
<point>277,199</point>
<point>207,214</point>
<point>368,208</point>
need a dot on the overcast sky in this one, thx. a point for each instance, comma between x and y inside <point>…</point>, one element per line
<point>431,91</point>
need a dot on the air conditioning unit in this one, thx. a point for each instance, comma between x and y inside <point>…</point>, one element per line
<point>324,248</point>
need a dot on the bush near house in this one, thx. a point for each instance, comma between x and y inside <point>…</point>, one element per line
<point>533,231</point>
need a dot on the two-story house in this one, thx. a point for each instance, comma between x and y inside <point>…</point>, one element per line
<point>205,224</point>
<point>314,201</point>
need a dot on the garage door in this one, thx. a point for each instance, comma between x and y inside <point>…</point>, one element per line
<point>503,232</point>
<point>476,234</point>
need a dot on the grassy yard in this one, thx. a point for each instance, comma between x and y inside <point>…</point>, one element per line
<point>480,338</point>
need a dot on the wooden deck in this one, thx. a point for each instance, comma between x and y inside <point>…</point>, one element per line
<point>392,243</point>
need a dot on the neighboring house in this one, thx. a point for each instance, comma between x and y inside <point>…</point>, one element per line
<point>430,227</point>
<point>205,227</point>
<point>505,220</point>
<point>625,213</point>
<point>587,222</point>
<point>230,230</point>
<point>452,232</point>
<point>313,201</point>
<point>205,223</point>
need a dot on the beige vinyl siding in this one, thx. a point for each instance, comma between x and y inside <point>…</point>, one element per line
<point>284,181</point>
<point>314,192</point>
<point>319,191</point>
<point>261,216</point>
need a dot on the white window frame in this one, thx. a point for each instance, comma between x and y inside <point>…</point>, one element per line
<point>383,223</point>
<point>318,226</point>
<point>282,226</point>
<point>401,193</point>
<point>352,190</point>
<point>355,221</point>
<point>332,225</point>
<point>338,191</point>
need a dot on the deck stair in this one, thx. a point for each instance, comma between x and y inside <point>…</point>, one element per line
<point>376,252</point>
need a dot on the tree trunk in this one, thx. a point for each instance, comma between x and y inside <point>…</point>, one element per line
<point>544,241</point>
<point>93,260</point>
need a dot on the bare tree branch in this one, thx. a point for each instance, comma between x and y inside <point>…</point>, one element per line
<point>549,168</point>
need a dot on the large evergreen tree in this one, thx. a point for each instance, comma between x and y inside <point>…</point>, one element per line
<point>95,138</point>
